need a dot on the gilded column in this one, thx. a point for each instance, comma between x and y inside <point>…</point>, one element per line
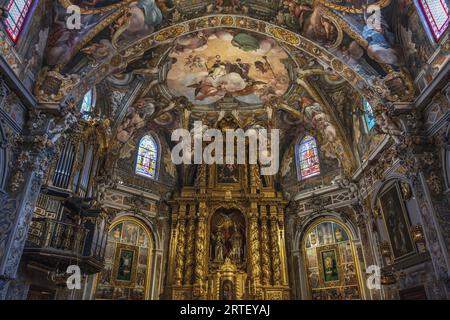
<point>200,252</point>
<point>276,262</point>
<point>173,246</point>
<point>181,228</point>
<point>265,260</point>
<point>254,243</point>
<point>283,257</point>
<point>190,245</point>
<point>255,178</point>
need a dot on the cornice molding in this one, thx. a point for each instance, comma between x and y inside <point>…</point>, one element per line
<point>438,83</point>
<point>16,85</point>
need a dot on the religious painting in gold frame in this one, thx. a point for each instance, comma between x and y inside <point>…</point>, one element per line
<point>332,267</point>
<point>396,221</point>
<point>128,238</point>
<point>125,265</point>
<point>329,265</point>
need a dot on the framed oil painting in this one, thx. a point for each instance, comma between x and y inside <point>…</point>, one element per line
<point>397,223</point>
<point>329,264</point>
<point>125,265</point>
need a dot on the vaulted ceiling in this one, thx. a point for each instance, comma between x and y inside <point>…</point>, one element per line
<point>296,65</point>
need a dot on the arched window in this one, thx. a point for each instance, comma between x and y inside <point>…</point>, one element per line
<point>127,262</point>
<point>330,263</point>
<point>147,158</point>
<point>17,15</point>
<point>307,158</point>
<point>436,16</point>
<point>369,117</point>
<point>87,105</point>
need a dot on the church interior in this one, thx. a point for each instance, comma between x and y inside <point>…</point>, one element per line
<point>93,205</point>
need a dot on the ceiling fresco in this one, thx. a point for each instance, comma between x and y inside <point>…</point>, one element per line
<point>300,62</point>
<point>209,65</point>
<point>358,34</point>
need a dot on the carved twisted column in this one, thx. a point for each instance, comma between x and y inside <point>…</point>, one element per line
<point>255,178</point>
<point>200,251</point>
<point>282,244</point>
<point>265,260</point>
<point>254,244</point>
<point>276,262</point>
<point>190,245</point>
<point>179,260</point>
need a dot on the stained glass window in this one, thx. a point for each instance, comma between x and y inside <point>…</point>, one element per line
<point>147,157</point>
<point>87,105</point>
<point>437,16</point>
<point>308,158</point>
<point>17,14</point>
<point>368,115</point>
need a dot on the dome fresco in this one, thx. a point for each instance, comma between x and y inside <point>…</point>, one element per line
<point>209,65</point>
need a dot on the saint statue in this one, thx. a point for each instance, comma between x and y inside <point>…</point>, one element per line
<point>218,252</point>
<point>236,245</point>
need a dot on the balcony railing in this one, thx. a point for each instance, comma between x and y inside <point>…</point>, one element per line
<point>48,233</point>
<point>55,243</point>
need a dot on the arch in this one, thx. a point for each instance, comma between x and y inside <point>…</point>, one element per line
<point>129,258</point>
<point>156,237</point>
<point>380,185</point>
<point>307,158</point>
<point>148,157</point>
<point>331,214</point>
<point>330,260</point>
<point>123,56</point>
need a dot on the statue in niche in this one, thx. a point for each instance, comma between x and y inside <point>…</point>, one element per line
<point>236,246</point>
<point>227,237</point>
<point>219,252</point>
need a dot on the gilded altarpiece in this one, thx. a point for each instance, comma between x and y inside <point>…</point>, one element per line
<point>227,239</point>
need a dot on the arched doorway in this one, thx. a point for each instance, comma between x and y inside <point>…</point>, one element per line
<point>127,262</point>
<point>330,263</point>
